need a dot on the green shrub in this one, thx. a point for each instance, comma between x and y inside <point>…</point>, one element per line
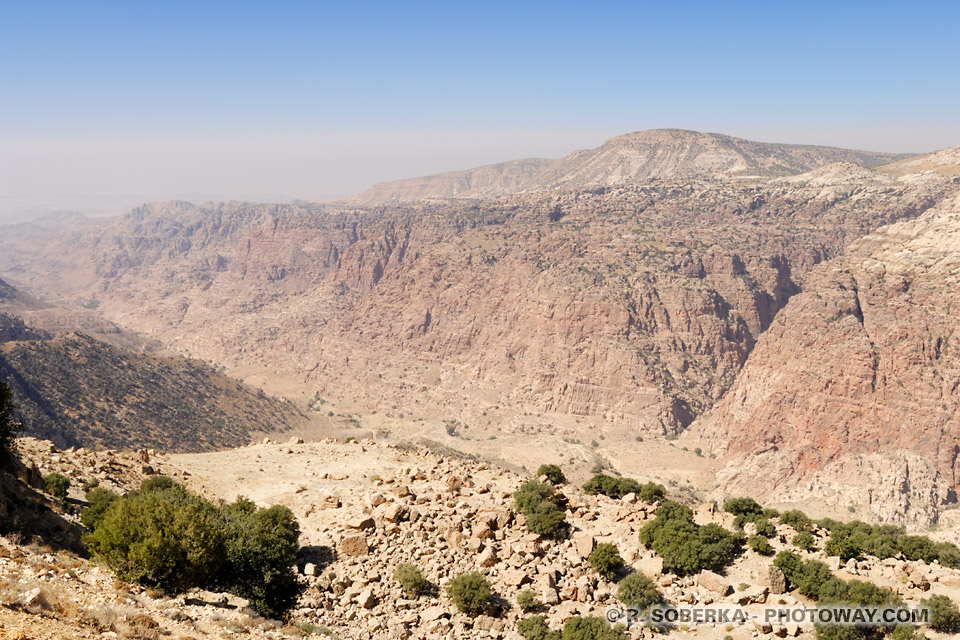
<point>410,578</point>
<point>543,506</point>
<point>535,628</point>
<point>743,507</point>
<point>685,547</point>
<point>527,601</point>
<point>9,428</point>
<point>553,473</point>
<point>619,487</point>
<point>170,539</point>
<point>638,591</point>
<point>944,615</point>
<point>854,593</point>
<point>590,628</point>
<point>261,547</point>
<point>806,576</point>
<point>904,632</point>
<point>165,537</point>
<point>760,545</point>
<point>796,519</point>
<point>57,485</point>
<point>100,500</point>
<point>804,540</point>
<point>856,539</point>
<point>765,528</point>
<point>470,592</point>
<point>606,560</point>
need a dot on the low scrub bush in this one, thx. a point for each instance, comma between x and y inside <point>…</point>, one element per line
<point>553,473</point>
<point>760,545</point>
<point>804,540</point>
<point>9,428</point>
<point>796,519</point>
<point>100,500</point>
<point>686,547</point>
<point>527,601</point>
<point>470,592</point>
<point>944,615</point>
<point>590,628</point>
<point>619,487</point>
<point>57,485</point>
<point>606,560</point>
<point>544,507</point>
<point>638,591</point>
<point>410,578</point>
<point>856,539</point>
<point>535,628</point>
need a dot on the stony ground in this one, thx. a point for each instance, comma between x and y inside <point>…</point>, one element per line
<point>364,507</point>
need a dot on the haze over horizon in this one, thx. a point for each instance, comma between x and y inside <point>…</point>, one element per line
<point>116,104</point>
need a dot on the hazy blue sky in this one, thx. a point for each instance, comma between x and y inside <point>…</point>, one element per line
<point>116,102</point>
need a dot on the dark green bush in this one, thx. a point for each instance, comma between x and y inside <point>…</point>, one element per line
<point>944,615</point>
<point>904,632</point>
<point>553,473</point>
<point>9,428</point>
<point>856,539</point>
<point>760,545</point>
<point>743,507</point>
<point>638,591</point>
<point>543,506</point>
<point>527,601</point>
<point>165,537</point>
<point>410,578</point>
<point>765,528</point>
<point>170,539</point>
<point>100,500</point>
<point>685,547</point>
<point>854,593</point>
<point>619,487</point>
<point>804,540</point>
<point>590,628</point>
<point>261,547</point>
<point>606,560</point>
<point>470,592</point>
<point>796,519</point>
<point>806,576</point>
<point>57,485</point>
<point>535,628</point>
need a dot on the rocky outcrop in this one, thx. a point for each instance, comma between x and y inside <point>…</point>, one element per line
<point>852,396</point>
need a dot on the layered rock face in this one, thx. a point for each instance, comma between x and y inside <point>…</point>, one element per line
<point>853,394</point>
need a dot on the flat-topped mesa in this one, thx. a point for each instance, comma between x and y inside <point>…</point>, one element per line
<point>633,158</point>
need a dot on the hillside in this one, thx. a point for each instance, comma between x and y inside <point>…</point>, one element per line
<point>635,158</point>
<point>853,395</point>
<point>77,391</point>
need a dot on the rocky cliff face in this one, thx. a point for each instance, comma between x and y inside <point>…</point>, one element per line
<point>853,394</point>
<point>632,305</point>
<point>635,158</point>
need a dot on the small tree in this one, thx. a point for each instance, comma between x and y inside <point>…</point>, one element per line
<point>9,428</point>
<point>796,519</point>
<point>470,592</point>
<point>527,601</point>
<point>553,473</point>
<point>638,591</point>
<point>410,578</point>
<point>606,560</point>
<point>944,615</point>
<point>743,506</point>
<point>57,485</point>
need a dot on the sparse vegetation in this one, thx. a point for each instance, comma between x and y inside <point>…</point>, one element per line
<point>590,628</point>
<point>527,601</point>
<point>804,540</point>
<point>470,592</point>
<point>535,628</point>
<point>856,539</point>
<point>759,544</point>
<point>619,487</point>
<point>606,560</point>
<point>944,615</point>
<point>797,519</point>
<point>685,546</point>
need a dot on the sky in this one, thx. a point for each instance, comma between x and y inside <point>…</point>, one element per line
<point>107,104</point>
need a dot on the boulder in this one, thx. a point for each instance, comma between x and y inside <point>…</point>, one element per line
<point>713,582</point>
<point>354,546</point>
<point>773,578</point>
